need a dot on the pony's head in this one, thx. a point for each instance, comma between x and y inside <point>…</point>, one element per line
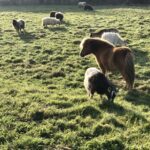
<point>88,46</point>
<point>92,45</point>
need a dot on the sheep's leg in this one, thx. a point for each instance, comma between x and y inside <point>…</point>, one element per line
<point>23,30</point>
<point>91,93</point>
<point>17,31</point>
<point>91,96</point>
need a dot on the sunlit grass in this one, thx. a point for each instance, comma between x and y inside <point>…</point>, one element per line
<point>43,102</point>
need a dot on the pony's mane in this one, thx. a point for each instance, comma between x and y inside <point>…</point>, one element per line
<point>107,42</point>
<point>98,40</point>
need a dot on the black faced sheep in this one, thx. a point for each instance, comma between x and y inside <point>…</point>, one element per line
<point>88,7</point>
<point>95,81</point>
<point>18,25</point>
<point>59,16</point>
<point>52,13</point>
<point>50,21</point>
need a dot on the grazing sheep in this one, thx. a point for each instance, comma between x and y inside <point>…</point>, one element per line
<point>88,7</point>
<point>18,24</point>
<point>59,16</point>
<point>113,38</point>
<point>110,58</point>
<point>52,13</point>
<point>81,4</point>
<point>99,33</point>
<point>95,81</point>
<point>50,21</point>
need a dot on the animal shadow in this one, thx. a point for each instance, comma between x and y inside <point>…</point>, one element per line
<point>57,28</point>
<point>139,55</point>
<point>138,97</point>
<point>27,36</point>
<point>112,108</point>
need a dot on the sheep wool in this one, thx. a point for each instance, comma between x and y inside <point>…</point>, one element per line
<point>81,4</point>
<point>95,81</point>
<point>113,38</point>
<point>50,21</point>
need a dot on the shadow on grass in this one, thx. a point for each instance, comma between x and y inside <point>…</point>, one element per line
<point>57,28</point>
<point>139,55</point>
<point>112,108</point>
<point>138,97</point>
<point>27,37</point>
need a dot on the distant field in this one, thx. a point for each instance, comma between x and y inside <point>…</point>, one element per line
<point>43,103</point>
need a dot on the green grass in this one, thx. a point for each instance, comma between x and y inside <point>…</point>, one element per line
<point>43,103</point>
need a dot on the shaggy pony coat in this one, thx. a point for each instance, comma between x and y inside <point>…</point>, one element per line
<point>110,58</point>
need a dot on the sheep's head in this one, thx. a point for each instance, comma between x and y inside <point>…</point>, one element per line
<point>14,21</point>
<point>111,93</point>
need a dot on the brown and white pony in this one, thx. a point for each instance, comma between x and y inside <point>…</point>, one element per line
<point>110,58</point>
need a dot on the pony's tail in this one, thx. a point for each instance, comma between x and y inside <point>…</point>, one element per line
<point>129,70</point>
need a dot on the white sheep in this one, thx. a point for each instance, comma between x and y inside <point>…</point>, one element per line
<point>81,4</point>
<point>50,21</point>
<point>113,38</point>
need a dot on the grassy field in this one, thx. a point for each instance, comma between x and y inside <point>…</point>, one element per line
<point>43,104</point>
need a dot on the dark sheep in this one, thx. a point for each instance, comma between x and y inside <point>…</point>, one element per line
<point>88,7</point>
<point>18,25</point>
<point>95,81</point>
<point>52,13</point>
<point>59,16</point>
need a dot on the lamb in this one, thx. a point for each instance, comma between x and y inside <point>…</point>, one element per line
<point>18,24</point>
<point>52,13</point>
<point>81,4</point>
<point>113,38</point>
<point>88,7</point>
<point>50,21</point>
<point>95,81</point>
<point>59,16</point>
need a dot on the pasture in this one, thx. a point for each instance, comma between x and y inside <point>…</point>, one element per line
<point>43,103</point>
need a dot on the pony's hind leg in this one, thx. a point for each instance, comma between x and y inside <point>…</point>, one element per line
<point>128,86</point>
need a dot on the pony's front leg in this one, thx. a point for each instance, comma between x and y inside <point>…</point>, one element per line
<point>102,68</point>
